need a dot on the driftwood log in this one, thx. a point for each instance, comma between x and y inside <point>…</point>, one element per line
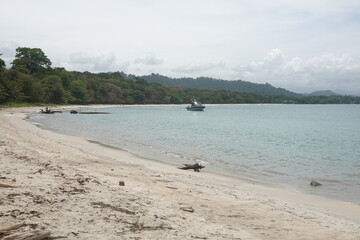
<point>187,209</point>
<point>50,111</point>
<point>7,185</point>
<point>12,227</point>
<point>7,233</point>
<point>30,235</point>
<point>196,167</point>
<point>47,111</point>
<point>93,112</point>
<point>76,112</point>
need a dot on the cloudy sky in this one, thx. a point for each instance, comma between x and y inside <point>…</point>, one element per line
<point>300,45</point>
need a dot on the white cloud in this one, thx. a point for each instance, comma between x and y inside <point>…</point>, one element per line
<point>8,49</point>
<point>198,68</point>
<point>99,62</point>
<point>234,33</point>
<point>149,59</point>
<point>328,71</point>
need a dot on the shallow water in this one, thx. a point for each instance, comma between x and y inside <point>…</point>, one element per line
<point>281,145</point>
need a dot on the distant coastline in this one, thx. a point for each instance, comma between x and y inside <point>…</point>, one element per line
<point>32,80</point>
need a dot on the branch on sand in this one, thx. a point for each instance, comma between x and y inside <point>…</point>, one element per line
<point>196,167</point>
<point>33,235</point>
<point>12,227</point>
<point>138,227</point>
<point>7,233</point>
<point>187,209</point>
<point>7,185</point>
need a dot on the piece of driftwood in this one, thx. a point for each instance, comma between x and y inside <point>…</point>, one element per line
<point>47,111</point>
<point>93,112</point>
<point>12,227</point>
<point>187,209</point>
<point>30,235</point>
<point>7,185</point>
<point>114,208</point>
<point>196,167</point>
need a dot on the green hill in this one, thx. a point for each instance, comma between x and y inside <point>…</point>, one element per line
<point>218,84</point>
<point>323,93</point>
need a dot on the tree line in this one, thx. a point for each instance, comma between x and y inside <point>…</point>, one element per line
<point>32,79</point>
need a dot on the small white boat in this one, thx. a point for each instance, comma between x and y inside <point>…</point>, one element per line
<point>195,106</point>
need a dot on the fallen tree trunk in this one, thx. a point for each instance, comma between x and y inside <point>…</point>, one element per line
<point>47,111</point>
<point>93,112</point>
<point>31,235</point>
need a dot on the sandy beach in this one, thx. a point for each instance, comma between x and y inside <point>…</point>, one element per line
<point>78,189</point>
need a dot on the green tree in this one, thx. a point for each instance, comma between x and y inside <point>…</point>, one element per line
<point>138,96</point>
<point>31,88</point>
<point>79,92</point>
<point>3,93</point>
<point>32,60</point>
<point>2,64</point>
<point>54,90</point>
<point>109,93</point>
<point>13,86</point>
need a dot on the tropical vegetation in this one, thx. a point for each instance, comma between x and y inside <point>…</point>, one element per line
<point>32,79</point>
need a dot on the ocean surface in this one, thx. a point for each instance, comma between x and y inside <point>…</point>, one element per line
<point>284,146</point>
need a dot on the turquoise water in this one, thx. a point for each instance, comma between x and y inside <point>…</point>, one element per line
<point>280,145</point>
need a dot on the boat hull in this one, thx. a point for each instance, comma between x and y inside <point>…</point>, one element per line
<point>195,108</point>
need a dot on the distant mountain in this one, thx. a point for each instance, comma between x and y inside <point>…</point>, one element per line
<point>323,93</point>
<point>218,84</point>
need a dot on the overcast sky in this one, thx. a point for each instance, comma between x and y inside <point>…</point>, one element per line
<point>300,45</point>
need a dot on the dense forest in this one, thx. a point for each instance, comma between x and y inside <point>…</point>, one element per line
<point>32,79</point>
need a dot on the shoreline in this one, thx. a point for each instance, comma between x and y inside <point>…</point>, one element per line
<point>230,177</point>
<point>224,207</point>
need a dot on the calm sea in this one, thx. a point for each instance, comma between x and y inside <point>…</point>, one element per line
<point>281,145</point>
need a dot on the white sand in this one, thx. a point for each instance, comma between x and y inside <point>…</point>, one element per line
<point>70,187</point>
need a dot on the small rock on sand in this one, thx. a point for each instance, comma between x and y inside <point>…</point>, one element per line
<point>315,183</point>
